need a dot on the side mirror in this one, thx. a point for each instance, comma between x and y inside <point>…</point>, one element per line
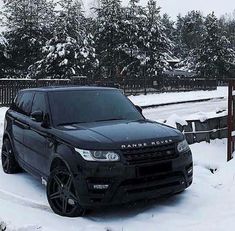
<point>37,116</point>
<point>139,109</point>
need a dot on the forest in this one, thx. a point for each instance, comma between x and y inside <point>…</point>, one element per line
<point>46,39</point>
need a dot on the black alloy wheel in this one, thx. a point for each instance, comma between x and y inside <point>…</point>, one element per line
<point>62,195</point>
<point>9,163</point>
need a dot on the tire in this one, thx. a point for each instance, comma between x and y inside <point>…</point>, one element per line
<point>9,163</point>
<point>62,195</point>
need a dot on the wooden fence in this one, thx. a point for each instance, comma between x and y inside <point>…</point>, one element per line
<point>10,87</point>
<point>166,84</point>
<point>197,131</point>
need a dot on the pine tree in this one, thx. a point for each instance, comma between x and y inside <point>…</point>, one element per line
<point>70,52</point>
<point>157,46</point>
<point>133,40</point>
<point>3,62</point>
<point>110,37</point>
<point>28,25</point>
<point>189,32</point>
<point>169,28</point>
<point>227,23</point>
<point>70,17</point>
<point>214,55</point>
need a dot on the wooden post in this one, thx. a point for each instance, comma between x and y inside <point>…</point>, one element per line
<point>230,121</point>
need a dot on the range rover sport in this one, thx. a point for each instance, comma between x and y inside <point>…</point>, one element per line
<point>92,147</point>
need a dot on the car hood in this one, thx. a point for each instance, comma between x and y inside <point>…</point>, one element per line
<point>117,134</point>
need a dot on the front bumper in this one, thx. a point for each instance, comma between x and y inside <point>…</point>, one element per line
<point>128,184</point>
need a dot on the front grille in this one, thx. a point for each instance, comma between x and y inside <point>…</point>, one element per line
<point>150,154</point>
<point>138,185</point>
<point>154,187</point>
<point>151,179</point>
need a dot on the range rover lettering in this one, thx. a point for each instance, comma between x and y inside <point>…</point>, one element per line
<point>92,148</point>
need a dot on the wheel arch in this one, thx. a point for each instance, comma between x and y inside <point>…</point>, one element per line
<point>64,155</point>
<point>6,135</point>
<point>58,161</point>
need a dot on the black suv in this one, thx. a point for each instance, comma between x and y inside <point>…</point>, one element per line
<point>92,147</point>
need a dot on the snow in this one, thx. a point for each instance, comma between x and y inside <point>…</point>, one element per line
<point>3,41</point>
<point>173,119</point>
<point>161,98</point>
<point>188,111</point>
<point>210,155</point>
<point>27,209</point>
<point>209,204</point>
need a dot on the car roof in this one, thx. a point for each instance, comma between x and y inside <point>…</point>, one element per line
<point>67,88</point>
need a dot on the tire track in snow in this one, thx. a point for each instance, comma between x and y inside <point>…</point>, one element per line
<point>4,195</point>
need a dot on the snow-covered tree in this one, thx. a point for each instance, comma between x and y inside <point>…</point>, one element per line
<point>70,52</point>
<point>227,23</point>
<point>189,32</point>
<point>69,18</point>
<point>28,24</point>
<point>169,26</point>
<point>110,37</point>
<point>3,59</point>
<point>157,46</point>
<point>132,45</point>
<point>215,55</point>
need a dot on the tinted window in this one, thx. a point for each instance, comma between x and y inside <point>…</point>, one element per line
<point>39,103</point>
<point>16,102</point>
<point>90,106</point>
<point>25,102</point>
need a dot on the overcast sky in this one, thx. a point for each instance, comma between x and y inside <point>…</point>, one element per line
<point>174,7</point>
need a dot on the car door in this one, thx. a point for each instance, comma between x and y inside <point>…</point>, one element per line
<point>21,113</point>
<point>35,138</point>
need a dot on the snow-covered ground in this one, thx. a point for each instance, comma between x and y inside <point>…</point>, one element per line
<point>207,205</point>
<point>163,98</point>
<point>189,111</point>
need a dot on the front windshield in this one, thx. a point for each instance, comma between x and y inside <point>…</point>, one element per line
<point>84,106</point>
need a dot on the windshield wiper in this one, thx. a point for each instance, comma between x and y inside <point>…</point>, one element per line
<point>109,119</point>
<point>70,123</point>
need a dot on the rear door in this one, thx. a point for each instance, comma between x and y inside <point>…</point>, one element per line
<point>22,110</point>
<point>35,137</point>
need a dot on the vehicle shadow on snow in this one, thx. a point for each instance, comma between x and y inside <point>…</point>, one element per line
<point>132,210</point>
<point>33,186</point>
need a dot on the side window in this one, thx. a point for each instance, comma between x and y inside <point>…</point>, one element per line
<point>25,102</point>
<point>16,102</point>
<point>39,103</point>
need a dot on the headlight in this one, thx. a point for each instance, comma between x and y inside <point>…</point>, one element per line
<point>103,156</point>
<point>183,146</point>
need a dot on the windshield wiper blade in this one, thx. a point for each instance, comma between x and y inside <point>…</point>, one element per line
<point>70,123</point>
<point>109,119</point>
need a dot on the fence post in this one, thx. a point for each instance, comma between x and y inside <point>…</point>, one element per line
<point>230,121</point>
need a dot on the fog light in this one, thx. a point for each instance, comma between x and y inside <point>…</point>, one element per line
<point>100,186</point>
